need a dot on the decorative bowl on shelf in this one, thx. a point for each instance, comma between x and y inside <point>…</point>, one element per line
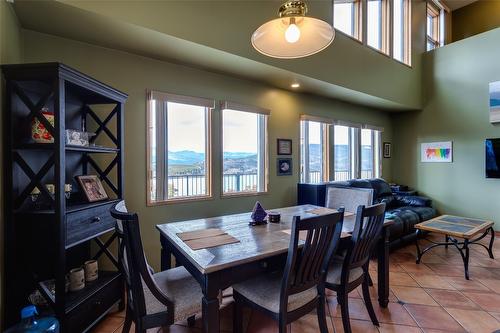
<point>38,131</point>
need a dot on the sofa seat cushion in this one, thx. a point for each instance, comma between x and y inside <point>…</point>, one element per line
<point>265,290</point>
<point>404,220</point>
<point>424,213</point>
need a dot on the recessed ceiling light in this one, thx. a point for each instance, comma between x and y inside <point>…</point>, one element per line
<point>295,85</point>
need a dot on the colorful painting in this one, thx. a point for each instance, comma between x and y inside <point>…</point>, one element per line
<point>495,102</point>
<point>437,152</point>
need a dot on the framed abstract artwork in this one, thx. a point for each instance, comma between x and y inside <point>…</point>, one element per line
<point>437,152</point>
<point>495,102</point>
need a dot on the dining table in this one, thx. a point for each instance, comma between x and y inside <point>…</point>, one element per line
<point>259,249</point>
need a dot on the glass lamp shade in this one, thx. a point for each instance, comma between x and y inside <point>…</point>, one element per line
<point>271,39</point>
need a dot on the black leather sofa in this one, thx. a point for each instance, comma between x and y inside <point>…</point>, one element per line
<point>406,211</point>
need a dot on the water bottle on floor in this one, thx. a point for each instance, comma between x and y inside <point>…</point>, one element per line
<point>30,323</point>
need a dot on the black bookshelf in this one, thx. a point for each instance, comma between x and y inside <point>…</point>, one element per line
<point>43,242</point>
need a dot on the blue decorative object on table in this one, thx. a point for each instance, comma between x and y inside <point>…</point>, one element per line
<point>258,215</point>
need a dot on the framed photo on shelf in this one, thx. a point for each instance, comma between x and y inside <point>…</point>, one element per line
<point>284,166</point>
<point>92,187</point>
<point>387,150</point>
<point>284,146</point>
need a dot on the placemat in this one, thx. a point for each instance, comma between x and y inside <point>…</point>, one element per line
<point>213,241</point>
<point>325,211</point>
<point>201,233</point>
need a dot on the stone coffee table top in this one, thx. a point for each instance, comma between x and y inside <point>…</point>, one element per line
<point>456,226</point>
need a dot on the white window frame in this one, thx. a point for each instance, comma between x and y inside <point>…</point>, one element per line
<point>438,10</point>
<point>355,148</point>
<point>406,20</point>
<point>304,148</point>
<point>162,149</point>
<point>263,147</point>
<point>357,19</point>
<point>376,140</point>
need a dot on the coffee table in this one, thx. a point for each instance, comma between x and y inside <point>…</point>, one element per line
<point>453,227</point>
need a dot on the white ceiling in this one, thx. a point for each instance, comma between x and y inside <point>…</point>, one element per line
<point>455,4</point>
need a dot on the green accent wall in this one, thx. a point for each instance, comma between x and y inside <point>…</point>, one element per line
<point>456,108</point>
<point>10,52</point>
<point>475,18</point>
<point>134,74</point>
<point>347,69</point>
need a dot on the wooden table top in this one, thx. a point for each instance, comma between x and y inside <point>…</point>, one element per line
<point>256,242</point>
<point>456,226</point>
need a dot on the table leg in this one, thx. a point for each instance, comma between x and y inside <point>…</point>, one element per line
<point>383,268</point>
<point>419,253</point>
<point>210,312</point>
<point>466,258</point>
<point>166,255</point>
<point>490,248</point>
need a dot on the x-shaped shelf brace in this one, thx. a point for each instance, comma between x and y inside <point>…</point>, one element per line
<point>103,124</point>
<point>35,178</point>
<point>103,249</point>
<point>35,109</point>
<point>103,175</point>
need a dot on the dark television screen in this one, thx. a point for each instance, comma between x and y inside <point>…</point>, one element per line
<point>492,158</point>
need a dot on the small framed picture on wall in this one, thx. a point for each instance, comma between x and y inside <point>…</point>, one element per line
<point>284,146</point>
<point>387,150</point>
<point>284,166</point>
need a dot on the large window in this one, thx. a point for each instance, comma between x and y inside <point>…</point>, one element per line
<point>347,17</point>
<point>244,153</point>
<point>434,26</point>
<point>402,30</point>
<point>384,25</point>
<point>344,152</point>
<point>374,24</point>
<point>370,153</point>
<point>178,147</point>
<point>338,150</point>
<point>314,156</point>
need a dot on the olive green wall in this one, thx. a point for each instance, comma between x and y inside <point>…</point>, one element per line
<point>346,63</point>
<point>10,52</point>
<point>456,108</point>
<point>475,18</point>
<point>134,74</point>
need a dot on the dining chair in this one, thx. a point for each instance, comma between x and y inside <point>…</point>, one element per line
<point>153,299</point>
<point>292,293</point>
<point>348,197</point>
<point>347,274</point>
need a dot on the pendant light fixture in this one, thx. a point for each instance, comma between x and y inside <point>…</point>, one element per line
<point>293,35</point>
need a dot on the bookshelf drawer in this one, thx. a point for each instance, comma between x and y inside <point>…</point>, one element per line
<point>88,223</point>
<point>94,307</point>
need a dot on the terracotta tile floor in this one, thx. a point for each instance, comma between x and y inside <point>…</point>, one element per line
<point>431,297</point>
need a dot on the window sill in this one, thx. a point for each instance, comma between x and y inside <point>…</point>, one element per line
<point>242,194</point>
<point>179,200</point>
<point>349,36</point>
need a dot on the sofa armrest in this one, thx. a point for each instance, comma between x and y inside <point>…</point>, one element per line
<point>413,200</point>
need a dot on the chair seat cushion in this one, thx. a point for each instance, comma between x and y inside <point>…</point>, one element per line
<point>265,291</point>
<point>335,271</point>
<point>181,288</point>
